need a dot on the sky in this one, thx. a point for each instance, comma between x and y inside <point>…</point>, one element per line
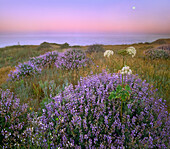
<point>85,16</point>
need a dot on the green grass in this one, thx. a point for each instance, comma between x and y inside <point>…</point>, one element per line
<point>30,89</point>
<point>11,56</point>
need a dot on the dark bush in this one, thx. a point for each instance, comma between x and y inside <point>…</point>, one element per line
<point>147,43</point>
<point>44,45</point>
<point>95,48</point>
<point>158,53</point>
<point>64,46</point>
<point>160,41</point>
<point>165,47</point>
<point>76,46</point>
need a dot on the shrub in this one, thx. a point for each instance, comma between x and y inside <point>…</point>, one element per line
<point>85,117</point>
<point>157,54</point>
<point>23,70</point>
<point>13,120</point>
<point>147,43</point>
<point>64,46</point>
<point>44,60</point>
<point>44,45</point>
<point>165,47</point>
<point>76,46</point>
<point>159,41</point>
<point>95,48</point>
<point>72,59</point>
<point>34,65</point>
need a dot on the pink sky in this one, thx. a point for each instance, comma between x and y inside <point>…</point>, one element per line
<point>150,16</point>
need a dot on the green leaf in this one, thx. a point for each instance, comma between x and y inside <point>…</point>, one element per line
<point>126,93</point>
<point>123,97</point>
<point>127,87</point>
<point>119,88</point>
<point>112,95</point>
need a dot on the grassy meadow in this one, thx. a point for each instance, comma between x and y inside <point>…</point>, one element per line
<point>156,72</point>
<point>61,96</point>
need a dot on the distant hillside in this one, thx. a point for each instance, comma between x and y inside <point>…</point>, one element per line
<point>162,41</point>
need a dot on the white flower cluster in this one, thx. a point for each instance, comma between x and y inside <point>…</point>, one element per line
<point>107,53</point>
<point>126,70</point>
<point>131,51</point>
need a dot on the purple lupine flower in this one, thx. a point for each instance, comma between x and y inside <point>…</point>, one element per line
<point>34,65</point>
<point>84,116</point>
<point>12,119</point>
<point>72,59</point>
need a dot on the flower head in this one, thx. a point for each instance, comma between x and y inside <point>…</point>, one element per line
<point>131,51</point>
<point>107,53</point>
<point>126,70</point>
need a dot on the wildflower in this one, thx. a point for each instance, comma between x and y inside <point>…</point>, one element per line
<point>72,59</point>
<point>126,70</point>
<point>131,51</point>
<point>107,53</point>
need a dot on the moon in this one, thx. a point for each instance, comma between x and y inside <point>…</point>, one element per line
<point>133,7</point>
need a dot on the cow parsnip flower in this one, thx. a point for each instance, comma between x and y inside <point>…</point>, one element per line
<point>107,53</point>
<point>131,51</point>
<point>126,70</point>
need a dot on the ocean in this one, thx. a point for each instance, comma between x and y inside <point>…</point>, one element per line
<point>76,39</point>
